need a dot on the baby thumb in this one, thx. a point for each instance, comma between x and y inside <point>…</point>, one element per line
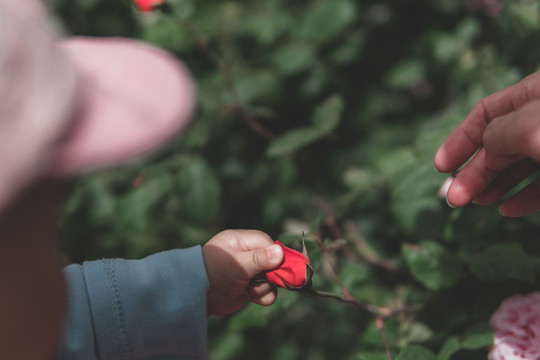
<point>263,259</point>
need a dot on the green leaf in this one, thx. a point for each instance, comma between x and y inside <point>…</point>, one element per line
<point>228,346</point>
<point>326,116</point>
<point>371,356</point>
<point>184,8</point>
<point>101,200</point>
<point>415,332</point>
<point>432,265</point>
<point>325,19</point>
<point>88,4</point>
<point>138,206</point>
<point>416,352</point>
<point>293,140</point>
<point>415,203</point>
<point>478,337</point>
<point>526,12</point>
<point>446,47</point>
<point>411,213</point>
<point>500,262</point>
<point>353,273</point>
<point>160,34</point>
<point>405,74</point>
<point>198,190</point>
<point>371,337</point>
<point>255,316</point>
<point>254,86</point>
<point>468,29</point>
<point>358,179</point>
<point>294,57</point>
<point>350,49</point>
<point>393,163</point>
<point>434,131</point>
<point>251,316</point>
<point>267,22</point>
<point>450,347</point>
<point>315,81</point>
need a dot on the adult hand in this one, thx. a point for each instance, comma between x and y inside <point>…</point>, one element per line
<point>233,258</point>
<point>502,135</point>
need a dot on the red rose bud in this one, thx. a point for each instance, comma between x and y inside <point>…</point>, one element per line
<point>147,5</point>
<point>294,273</point>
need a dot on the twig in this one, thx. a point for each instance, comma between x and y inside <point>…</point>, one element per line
<point>226,71</point>
<point>330,217</point>
<point>324,251</point>
<point>378,311</point>
<point>379,322</point>
<point>222,114</point>
<point>366,251</point>
<point>381,313</point>
<point>343,299</point>
<point>201,41</point>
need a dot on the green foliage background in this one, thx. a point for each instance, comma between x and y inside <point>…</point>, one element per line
<point>323,116</point>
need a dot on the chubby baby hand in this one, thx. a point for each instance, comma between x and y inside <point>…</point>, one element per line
<point>232,259</point>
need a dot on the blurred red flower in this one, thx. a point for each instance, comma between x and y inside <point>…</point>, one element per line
<point>147,5</point>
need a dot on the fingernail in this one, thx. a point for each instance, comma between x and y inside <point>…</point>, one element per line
<point>435,168</point>
<point>450,205</point>
<point>501,211</point>
<point>443,191</point>
<point>274,252</point>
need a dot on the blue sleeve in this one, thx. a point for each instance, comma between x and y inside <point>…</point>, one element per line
<point>153,309</point>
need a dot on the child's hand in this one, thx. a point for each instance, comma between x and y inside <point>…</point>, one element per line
<point>233,258</point>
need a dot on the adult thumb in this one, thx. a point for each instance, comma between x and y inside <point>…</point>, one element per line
<point>262,259</point>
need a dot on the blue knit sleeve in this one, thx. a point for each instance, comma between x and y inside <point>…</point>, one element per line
<point>153,309</point>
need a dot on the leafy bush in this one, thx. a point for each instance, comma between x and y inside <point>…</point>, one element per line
<point>323,116</point>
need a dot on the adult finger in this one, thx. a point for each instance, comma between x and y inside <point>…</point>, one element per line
<point>506,181</point>
<point>513,137</point>
<point>524,202</point>
<point>471,181</point>
<point>465,140</point>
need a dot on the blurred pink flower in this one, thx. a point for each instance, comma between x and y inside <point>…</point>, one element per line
<point>491,7</point>
<point>517,328</point>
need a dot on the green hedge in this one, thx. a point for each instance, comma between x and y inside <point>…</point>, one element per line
<point>323,116</point>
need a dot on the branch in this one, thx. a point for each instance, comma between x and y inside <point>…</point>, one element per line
<point>324,251</point>
<point>343,299</point>
<point>378,311</point>
<point>379,322</point>
<point>366,251</point>
<point>226,71</point>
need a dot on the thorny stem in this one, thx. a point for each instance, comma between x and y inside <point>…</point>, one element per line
<point>344,290</point>
<point>343,299</point>
<point>380,312</point>
<point>364,250</point>
<point>346,297</point>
